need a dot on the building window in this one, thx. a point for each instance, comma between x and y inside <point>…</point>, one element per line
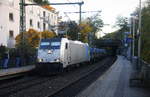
<point>31,10</point>
<point>38,12</point>
<point>11,17</point>
<point>11,34</point>
<point>38,25</point>
<point>44,26</point>
<point>31,23</point>
<point>44,14</point>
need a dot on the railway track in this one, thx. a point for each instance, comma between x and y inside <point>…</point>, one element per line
<point>53,86</point>
<point>72,89</point>
<point>12,88</point>
<point>16,81</point>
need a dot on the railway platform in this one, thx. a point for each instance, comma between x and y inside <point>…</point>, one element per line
<point>4,73</point>
<point>115,83</point>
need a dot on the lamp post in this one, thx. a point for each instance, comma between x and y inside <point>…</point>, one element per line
<point>131,44</point>
<point>133,34</point>
<point>132,29</point>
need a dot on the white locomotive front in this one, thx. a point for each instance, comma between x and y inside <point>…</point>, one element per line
<point>49,51</point>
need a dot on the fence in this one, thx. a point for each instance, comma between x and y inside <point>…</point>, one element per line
<point>145,70</point>
<point>15,62</point>
<point>141,71</point>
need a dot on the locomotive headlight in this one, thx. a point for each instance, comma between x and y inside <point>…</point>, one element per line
<point>49,51</point>
<point>57,60</point>
<point>40,60</point>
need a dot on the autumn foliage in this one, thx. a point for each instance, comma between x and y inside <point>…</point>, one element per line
<point>47,34</point>
<point>32,37</point>
<point>48,7</point>
<point>84,30</point>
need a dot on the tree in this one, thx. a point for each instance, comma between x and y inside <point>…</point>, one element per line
<point>48,34</point>
<point>73,30</point>
<point>32,37</point>
<point>84,30</point>
<point>110,35</point>
<point>26,48</point>
<point>96,22</point>
<point>69,30</point>
<point>122,24</point>
<point>41,1</point>
<point>3,49</point>
<point>145,50</point>
<point>145,31</point>
<point>90,26</point>
<point>48,7</point>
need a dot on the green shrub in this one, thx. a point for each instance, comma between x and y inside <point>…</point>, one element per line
<point>3,49</point>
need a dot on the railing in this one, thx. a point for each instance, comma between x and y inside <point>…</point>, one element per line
<point>142,70</point>
<point>145,70</point>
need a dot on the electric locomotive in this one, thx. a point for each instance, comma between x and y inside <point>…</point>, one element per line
<point>55,54</point>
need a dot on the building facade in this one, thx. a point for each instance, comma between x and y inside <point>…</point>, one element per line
<point>37,17</point>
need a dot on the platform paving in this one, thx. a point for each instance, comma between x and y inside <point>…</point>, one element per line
<point>12,71</point>
<point>115,83</point>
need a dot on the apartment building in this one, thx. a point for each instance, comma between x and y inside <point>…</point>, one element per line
<point>37,17</point>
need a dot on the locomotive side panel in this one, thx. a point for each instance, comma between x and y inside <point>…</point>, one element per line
<point>77,52</point>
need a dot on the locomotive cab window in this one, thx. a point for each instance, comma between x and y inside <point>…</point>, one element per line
<point>55,43</point>
<point>44,45</point>
<point>50,45</point>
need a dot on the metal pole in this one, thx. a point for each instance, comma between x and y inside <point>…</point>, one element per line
<point>22,17</point>
<point>139,36</point>
<point>131,45</point>
<point>80,13</point>
<point>22,28</point>
<point>133,37</point>
<point>139,31</point>
<point>79,18</point>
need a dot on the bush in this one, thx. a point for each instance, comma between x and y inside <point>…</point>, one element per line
<point>3,49</point>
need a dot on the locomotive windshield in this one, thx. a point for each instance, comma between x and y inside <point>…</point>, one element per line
<point>50,44</point>
<point>45,43</point>
<point>55,43</point>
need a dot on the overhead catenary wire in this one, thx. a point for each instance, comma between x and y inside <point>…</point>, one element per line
<point>73,5</point>
<point>67,17</point>
<point>82,12</point>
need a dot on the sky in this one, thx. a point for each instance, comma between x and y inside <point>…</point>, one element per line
<point>111,9</point>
